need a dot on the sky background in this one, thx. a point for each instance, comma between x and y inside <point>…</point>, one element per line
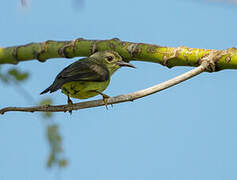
<point>185,132</point>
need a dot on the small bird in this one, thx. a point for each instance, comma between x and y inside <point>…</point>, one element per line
<point>88,77</point>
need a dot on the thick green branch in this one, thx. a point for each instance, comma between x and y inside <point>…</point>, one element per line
<point>168,56</point>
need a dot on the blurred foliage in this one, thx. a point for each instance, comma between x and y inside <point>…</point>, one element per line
<point>24,3</point>
<point>46,101</point>
<point>17,75</point>
<point>3,76</point>
<point>76,3</point>
<point>13,74</point>
<point>54,139</point>
<point>55,142</point>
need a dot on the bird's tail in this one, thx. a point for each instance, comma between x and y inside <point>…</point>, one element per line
<point>52,88</point>
<point>46,90</point>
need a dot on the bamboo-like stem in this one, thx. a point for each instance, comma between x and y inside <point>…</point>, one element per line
<point>167,56</point>
<point>118,99</point>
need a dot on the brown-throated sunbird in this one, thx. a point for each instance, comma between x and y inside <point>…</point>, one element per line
<point>88,77</point>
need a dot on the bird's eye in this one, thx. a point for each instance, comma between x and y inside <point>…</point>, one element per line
<point>109,58</point>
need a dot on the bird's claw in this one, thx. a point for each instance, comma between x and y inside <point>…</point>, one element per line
<point>70,103</point>
<point>105,100</point>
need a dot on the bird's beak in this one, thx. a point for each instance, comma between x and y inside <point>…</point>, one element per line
<point>122,63</point>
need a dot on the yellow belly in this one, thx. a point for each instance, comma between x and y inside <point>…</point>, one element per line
<point>82,89</point>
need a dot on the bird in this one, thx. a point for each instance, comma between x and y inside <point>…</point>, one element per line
<point>88,77</point>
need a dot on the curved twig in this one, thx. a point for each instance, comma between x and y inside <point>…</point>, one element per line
<point>117,99</point>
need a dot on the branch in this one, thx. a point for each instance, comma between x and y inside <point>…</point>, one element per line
<point>205,65</point>
<point>167,56</point>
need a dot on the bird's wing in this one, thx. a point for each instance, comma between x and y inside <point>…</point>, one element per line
<point>84,70</point>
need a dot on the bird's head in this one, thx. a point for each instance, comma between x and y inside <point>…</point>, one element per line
<point>111,59</point>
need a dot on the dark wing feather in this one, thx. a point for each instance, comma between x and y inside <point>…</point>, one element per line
<point>86,70</point>
<point>82,70</point>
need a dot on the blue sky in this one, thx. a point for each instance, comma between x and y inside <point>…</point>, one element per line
<point>185,132</point>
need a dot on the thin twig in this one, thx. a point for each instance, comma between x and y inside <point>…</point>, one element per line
<point>117,99</point>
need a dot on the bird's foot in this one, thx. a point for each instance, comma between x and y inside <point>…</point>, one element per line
<point>105,98</point>
<point>70,103</point>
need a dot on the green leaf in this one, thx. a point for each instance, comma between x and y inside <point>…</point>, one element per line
<point>56,150</point>
<point>17,75</point>
<point>51,160</point>
<point>63,163</point>
<point>46,101</point>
